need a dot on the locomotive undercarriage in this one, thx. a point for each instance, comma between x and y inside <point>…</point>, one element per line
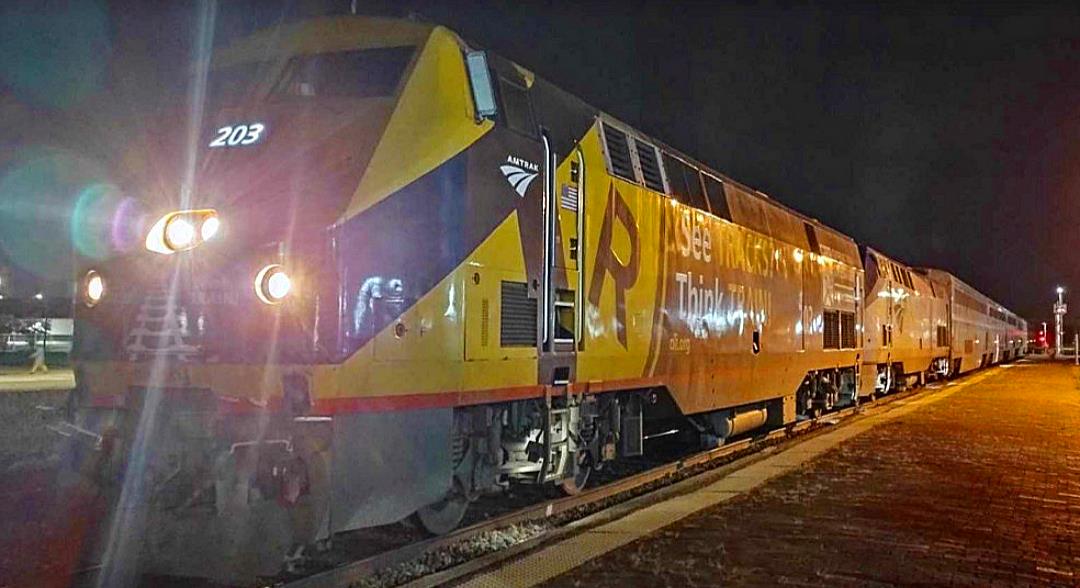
<point>265,488</point>
<point>194,491</point>
<point>558,439</point>
<point>892,377</point>
<point>825,390</point>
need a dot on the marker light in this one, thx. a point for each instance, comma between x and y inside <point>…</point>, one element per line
<point>182,230</point>
<point>272,284</point>
<point>278,285</point>
<point>93,288</point>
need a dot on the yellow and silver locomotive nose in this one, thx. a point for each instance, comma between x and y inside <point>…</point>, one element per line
<point>182,230</point>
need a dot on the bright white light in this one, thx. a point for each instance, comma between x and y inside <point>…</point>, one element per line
<point>209,228</point>
<point>179,233</point>
<point>272,284</point>
<point>278,285</point>
<point>95,288</point>
<point>1060,290</point>
<point>39,296</point>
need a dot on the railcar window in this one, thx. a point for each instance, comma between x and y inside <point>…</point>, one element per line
<point>517,108</point>
<point>618,150</point>
<point>714,190</point>
<point>650,167</point>
<point>367,73</point>
<point>811,238</point>
<point>968,301</point>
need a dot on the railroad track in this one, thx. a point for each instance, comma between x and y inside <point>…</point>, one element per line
<point>437,560</point>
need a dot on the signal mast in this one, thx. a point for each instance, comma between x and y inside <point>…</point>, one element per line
<point>1059,315</point>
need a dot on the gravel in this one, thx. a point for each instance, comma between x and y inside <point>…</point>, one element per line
<point>441,559</point>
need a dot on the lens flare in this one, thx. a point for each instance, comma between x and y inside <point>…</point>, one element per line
<point>128,225</point>
<point>40,194</point>
<point>104,222</point>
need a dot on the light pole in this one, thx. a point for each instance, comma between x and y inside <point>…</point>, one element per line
<point>1059,315</point>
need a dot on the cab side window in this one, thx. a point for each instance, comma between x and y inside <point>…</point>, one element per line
<point>517,109</point>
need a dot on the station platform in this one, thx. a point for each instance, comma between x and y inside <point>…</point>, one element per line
<point>976,482</point>
<point>21,380</point>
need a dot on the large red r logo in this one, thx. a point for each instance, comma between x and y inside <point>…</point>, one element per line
<point>607,262</point>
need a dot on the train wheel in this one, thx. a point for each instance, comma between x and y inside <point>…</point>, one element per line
<point>443,516</point>
<point>574,485</point>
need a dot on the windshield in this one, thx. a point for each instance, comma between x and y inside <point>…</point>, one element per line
<point>368,73</point>
<point>365,73</point>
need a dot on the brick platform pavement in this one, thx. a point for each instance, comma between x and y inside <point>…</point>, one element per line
<point>980,487</point>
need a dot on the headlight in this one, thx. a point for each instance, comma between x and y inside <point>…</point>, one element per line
<point>209,228</point>
<point>179,234</point>
<point>182,230</point>
<point>93,288</point>
<point>272,284</point>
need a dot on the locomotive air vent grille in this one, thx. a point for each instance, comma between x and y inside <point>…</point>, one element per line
<point>847,330</point>
<point>650,168</point>
<point>517,324</point>
<point>619,153</point>
<point>485,322</point>
<point>831,319</point>
<point>942,336</point>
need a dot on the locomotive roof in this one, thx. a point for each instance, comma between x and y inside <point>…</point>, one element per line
<point>946,276</point>
<point>822,228</point>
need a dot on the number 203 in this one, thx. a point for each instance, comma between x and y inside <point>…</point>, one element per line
<point>236,135</point>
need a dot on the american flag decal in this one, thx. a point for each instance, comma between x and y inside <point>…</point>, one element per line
<point>568,198</point>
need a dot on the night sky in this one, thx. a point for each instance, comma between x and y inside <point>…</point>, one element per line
<point>946,136</point>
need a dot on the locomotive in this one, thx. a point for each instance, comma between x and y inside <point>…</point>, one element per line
<point>403,272</point>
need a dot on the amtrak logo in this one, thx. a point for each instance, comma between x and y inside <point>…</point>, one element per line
<point>519,173</point>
